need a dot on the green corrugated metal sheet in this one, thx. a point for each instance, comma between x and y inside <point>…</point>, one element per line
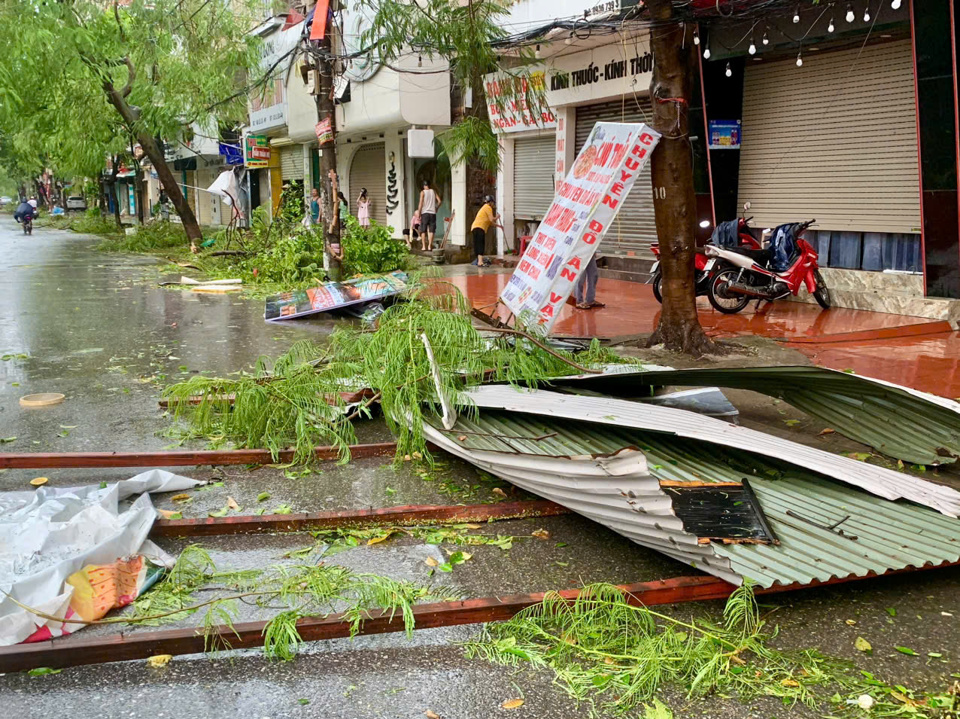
<point>898,421</point>
<point>890,535</point>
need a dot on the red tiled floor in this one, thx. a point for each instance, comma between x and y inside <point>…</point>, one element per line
<point>632,309</point>
<point>930,363</point>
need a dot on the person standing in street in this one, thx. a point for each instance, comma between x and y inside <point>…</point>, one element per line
<point>363,208</point>
<point>315,206</point>
<point>481,223</point>
<point>344,209</point>
<point>586,287</point>
<point>429,202</point>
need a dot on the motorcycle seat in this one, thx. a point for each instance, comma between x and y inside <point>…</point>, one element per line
<point>761,257</point>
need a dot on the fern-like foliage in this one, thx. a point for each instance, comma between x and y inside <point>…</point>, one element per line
<point>616,655</point>
<point>295,400</point>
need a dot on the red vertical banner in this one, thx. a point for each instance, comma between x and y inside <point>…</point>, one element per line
<point>319,26</point>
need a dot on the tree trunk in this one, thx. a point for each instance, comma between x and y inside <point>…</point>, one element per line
<point>131,115</point>
<point>672,172</point>
<point>329,184</point>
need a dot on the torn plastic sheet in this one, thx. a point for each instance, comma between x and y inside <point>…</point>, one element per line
<point>898,421</point>
<point>50,535</point>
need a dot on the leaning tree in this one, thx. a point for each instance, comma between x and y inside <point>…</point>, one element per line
<point>90,76</point>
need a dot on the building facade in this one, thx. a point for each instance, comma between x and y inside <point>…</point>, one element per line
<point>849,122</point>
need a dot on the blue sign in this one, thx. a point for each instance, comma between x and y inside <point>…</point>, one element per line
<point>232,154</point>
<point>724,135</point>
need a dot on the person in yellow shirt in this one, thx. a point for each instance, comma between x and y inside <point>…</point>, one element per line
<point>484,219</point>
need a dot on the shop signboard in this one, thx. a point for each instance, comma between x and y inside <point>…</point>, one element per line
<point>617,70</point>
<point>724,134</point>
<point>257,150</point>
<point>333,296</point>
<point>508,105</point>
<point>584,206</point>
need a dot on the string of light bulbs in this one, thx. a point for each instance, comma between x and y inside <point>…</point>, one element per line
<point>849,16</point>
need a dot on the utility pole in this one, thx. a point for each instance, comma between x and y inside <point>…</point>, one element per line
<point>329,184</point>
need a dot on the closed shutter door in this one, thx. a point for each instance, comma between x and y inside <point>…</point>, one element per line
<point>533,163</point>
<point>834,140</point>
<point>369,169</point>
<point>291,163</point>
<point>634,229</point>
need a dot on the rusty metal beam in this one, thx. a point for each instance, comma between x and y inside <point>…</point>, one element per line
<point>78,650</point>
<point>390,516</point>
<point>178,458</point>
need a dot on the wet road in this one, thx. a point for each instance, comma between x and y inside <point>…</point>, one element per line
<point>97,328</point>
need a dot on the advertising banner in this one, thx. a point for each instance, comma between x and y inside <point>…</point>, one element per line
<point>724,134</point>
<point>583,208</point>
<point>257,149</point>
<point>507,103</point>
<point>333,296</point>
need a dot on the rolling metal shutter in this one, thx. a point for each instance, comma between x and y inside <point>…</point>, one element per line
<point>635,229</point>
<point>369,169</point>
<point>533,163</point>
<point>291,163</point>
<point>834,140</point>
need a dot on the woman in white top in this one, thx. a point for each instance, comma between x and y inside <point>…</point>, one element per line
<point>429,202</point>
<point>363,208</point>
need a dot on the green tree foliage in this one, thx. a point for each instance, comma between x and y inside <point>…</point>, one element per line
<point>81,79</point>
<point>371,250</point>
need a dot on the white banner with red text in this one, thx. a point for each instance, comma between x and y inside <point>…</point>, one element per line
<point>585,205</point>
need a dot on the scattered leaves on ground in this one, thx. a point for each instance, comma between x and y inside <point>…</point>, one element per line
<point>863,645</point>
<point>431,714</point>
<point>43,671</point>
<point>232,504</point>
<point>39,481</point>
<point>827,431</point>
<point>512,704</point>
<point>160,660</point>
<point>906,650</point>
<point>540,534</point>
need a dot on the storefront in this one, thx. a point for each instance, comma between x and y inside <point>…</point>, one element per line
<point>836,140</point>
<point>368,169</point>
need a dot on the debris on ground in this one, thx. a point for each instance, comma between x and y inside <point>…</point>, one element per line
<point>329,296</point>
<point>76,553</point>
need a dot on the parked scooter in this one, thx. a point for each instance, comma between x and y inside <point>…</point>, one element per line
<point>724,233</point>
<point>788,263</point>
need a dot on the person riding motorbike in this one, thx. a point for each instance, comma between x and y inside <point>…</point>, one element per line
<point>26,209</point>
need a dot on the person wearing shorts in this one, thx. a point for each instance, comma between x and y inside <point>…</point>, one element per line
<point>429,203</point>
<point>482,222</point>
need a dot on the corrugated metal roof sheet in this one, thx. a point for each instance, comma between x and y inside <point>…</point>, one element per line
<point>612,474</point>
<point>901,422</point>
<point>621,413</point>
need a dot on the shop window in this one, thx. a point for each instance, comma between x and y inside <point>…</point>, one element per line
<point>869,251</point>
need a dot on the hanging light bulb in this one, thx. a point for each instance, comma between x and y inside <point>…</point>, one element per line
<point>765,40</point>
<point>895,4</point>
<point>850,15</point>
<point>696,37</point>
<point>866,13</point>
<point>706,54</point>
<point>831,27</point>
<point>753,47</point>
<point>796,15</point>
<point>729,71</point>
<point>799,60</point>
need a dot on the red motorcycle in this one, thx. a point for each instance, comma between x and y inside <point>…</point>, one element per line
<point>746,237</point>
<point>787,264</point>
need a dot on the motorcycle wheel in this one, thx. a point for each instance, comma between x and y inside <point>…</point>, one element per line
<point>657,287</point>
<point>822,295</point>
<point>717,294</point>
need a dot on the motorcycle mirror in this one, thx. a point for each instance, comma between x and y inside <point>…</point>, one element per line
<point>705,223</point>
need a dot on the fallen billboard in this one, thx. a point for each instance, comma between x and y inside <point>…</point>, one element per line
<point>333,296</point>
<point>585,205</point>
